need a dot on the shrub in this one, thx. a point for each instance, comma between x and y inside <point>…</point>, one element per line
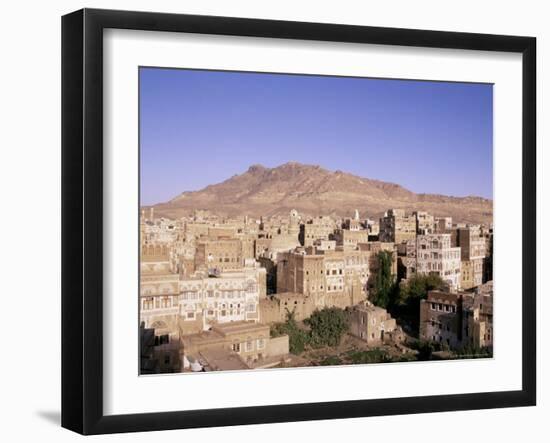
<point>298,339</point>
<point>327,326</point>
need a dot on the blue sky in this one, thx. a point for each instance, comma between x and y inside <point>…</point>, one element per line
<point>201,127</point>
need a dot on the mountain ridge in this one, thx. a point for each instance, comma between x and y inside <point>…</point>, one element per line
<point>314,190</point>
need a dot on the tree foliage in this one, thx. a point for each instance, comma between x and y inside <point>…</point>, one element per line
<point>327,326</point>
<point>384,286</point>
<point>416,288</point>
<point>297,338</point>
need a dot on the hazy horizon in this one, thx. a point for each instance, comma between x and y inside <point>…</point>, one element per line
<point>199,128</point>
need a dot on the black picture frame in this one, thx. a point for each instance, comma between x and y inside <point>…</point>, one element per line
<point>82,216</point>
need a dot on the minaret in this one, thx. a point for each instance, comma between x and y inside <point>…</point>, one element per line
<point>294,225</point>
<point>151,214</point>
<point>356,215</point>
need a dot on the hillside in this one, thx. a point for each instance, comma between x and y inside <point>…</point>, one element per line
<point>313,190</point>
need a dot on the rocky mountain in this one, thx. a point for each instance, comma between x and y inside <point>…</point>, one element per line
<point>312,190</point>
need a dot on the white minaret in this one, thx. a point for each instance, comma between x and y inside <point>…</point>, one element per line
<point>356,215</point>
<point>151,214</point>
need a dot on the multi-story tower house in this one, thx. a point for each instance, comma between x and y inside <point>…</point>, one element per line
<point>473,252</point>
<point>397,227</point>
<point>318,228</point>
<point>432,254</point>
<point>219,255</point>
<point>330,278</point>
<point>458,319</point>
<point>425,222</point>
<point>443,224</point>
<point>159,290</point>
<point>232,295</point>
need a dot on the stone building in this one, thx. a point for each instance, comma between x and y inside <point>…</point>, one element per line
<point>397,227</point>
<point>158,353</point>
<point>432,254</point>
<point>443,224</point>
<point>317,228</point>
<point>374,248</point>
<point>441,318</point>
<point>373,226</point>
<point>159,231</point>
<point>425,222</point>
<point>233,295</point>
<point>276,308</point>
<point>262,248</point>
<point>458,319</point>
<point>373,324</point>
<point>478,317</point>
<point>353,224</point>
<point>331,278</point>
<point>196,229</point>
<point>234,346</point>
<point>219,255</point>
<point>467,275</point>
<point>159,290</point>
<point>278,237</point>
<point>473,253</point>
<point>303,273</point>
<point>350,239</point>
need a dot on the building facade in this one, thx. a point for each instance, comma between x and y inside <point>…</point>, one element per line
<point>432,254</point>
<point>397,227</point>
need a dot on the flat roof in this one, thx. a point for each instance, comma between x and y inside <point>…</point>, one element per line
<point>239,327</point>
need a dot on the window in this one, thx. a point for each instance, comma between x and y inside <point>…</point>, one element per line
<point>148,303</point>
<point>249,346</point>
<point>190,315</point>
<point>162,339</point>
<point>261,343</point>
<point>236,347</point>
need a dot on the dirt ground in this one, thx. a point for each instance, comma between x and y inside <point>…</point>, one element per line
<point>340,354</point>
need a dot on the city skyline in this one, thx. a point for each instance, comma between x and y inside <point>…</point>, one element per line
<point>233,120</point>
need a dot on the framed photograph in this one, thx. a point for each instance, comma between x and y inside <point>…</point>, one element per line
<point>269,221</point>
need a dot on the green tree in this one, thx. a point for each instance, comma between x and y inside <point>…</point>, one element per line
<point>411,292</point>
<point>298,339</point>
<point>327,326</point>
<point>416,288</point>
<point>384,286</point>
